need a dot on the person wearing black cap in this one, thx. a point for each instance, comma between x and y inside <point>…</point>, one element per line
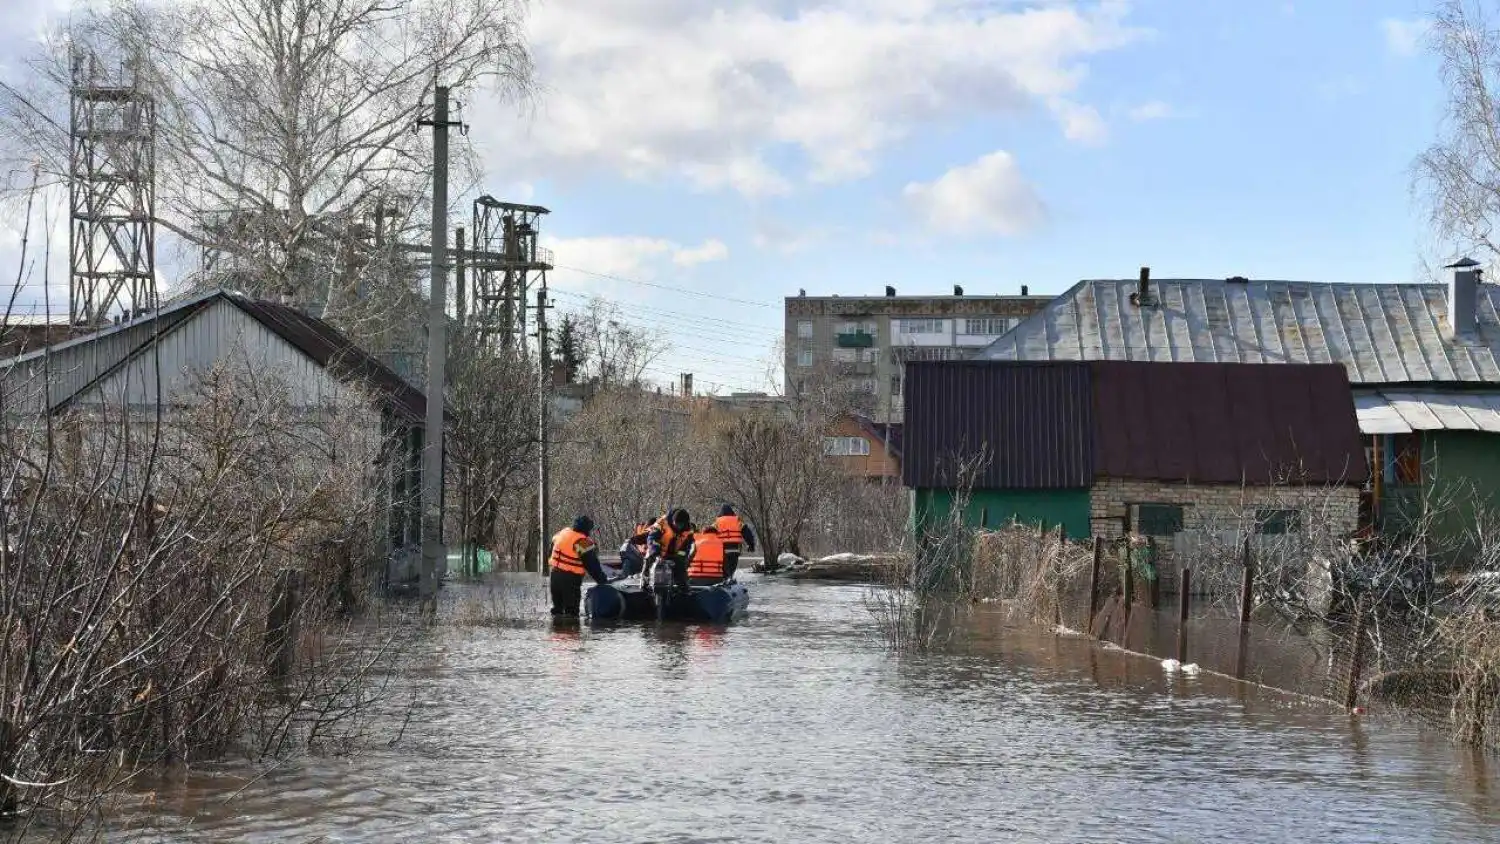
<point>574,556</point>
<point>737,536</point>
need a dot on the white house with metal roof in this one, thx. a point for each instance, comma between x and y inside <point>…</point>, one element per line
<point>1422,357</point>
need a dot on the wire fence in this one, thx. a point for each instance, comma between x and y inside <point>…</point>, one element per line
<point>1341,621</point>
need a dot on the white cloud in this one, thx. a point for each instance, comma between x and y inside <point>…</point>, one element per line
<point>1080,123</point>
<point>1403,37</point>
<point>988,195</point>
<point>723,96</point>
<point>1153,110</point>
<point>711,250</point>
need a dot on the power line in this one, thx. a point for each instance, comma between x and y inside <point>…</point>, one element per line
<point>666,287</point>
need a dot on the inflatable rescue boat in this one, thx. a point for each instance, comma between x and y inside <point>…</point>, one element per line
<point>722,603</point>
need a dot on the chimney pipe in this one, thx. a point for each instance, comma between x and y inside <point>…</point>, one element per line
<point>1463,298</point>
<point>1024,290</point>
<point>958,291</point>
<point>1142,295</point>
<point>889,290</point>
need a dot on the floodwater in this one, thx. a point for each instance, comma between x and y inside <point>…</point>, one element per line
<point>797,726</point>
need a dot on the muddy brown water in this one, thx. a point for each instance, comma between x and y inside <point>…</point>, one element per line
<point>797,726</point>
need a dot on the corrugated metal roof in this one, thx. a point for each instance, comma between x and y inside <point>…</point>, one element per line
<point>94,356</point>
<point>1225,423</point>
<point>1061,425</point>
<point>1033,422</point>
<point>331,349</point>
<point>1405,411</point>
<point>1381,333</point>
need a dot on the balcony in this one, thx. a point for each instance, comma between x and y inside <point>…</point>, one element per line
<point>855,340</point>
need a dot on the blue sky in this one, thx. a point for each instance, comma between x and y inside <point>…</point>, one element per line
<point>745,150</point>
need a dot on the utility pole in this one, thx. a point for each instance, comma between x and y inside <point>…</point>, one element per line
<point>433,550</point>
<point>459,291</point>
<point>544,358</point>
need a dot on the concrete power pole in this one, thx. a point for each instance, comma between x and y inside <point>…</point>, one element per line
<point>544,359</point>
<point>434,553</point>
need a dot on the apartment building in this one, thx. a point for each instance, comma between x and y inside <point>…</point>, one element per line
<point>860,344</point>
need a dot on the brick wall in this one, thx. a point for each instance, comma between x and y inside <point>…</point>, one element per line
<point>1223,507</point>
<point>1215,517</point>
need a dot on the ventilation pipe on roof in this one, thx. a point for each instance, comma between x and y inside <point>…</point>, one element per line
<point>1142,295</point>
<point>1463,298</point>
<point>957,290</point>
<point>890,291</point>
<point>1024,290</point>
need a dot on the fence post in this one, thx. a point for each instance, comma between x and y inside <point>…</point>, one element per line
<point>1183,602</point>
<point>1129,597</point>
<point>1247,603</point>
<point>1154,561</point>
<point>1094,583</point>
<point>281,623</point>
<point>984,518</point>
<point>1357,659</point>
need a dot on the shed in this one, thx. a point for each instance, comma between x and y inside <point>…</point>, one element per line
<point>1101,447</point>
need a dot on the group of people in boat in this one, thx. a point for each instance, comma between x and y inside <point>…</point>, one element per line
<point>698,556</point>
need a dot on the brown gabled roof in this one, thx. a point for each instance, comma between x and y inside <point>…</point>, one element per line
<point>1062,425</point>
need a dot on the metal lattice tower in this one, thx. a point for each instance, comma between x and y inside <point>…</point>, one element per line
<point>506,263</point>
<point>111,192</point>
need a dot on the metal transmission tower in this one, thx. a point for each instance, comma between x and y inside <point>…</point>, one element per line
<point>508,259</point>
<point>111,192</point>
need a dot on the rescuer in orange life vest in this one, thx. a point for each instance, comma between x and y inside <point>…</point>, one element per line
<point>672,537</point>
<point>574,556</point>
<point>737,536</point>
<point>707,565</point>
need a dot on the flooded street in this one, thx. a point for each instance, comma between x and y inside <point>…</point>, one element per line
<point>796,726</point>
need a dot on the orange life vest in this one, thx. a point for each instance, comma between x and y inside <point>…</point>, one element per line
<point>731,530</point>
<point>672,543</point>
<point>568,548</point>
<point>708,557</point>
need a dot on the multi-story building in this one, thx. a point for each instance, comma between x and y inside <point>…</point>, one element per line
<point>859,344</point>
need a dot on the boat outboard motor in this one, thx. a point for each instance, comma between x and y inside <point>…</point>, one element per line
<point>658,581</point>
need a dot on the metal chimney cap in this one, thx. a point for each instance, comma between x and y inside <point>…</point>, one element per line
<point>1463,263</point>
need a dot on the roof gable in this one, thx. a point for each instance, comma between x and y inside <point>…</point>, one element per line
<point>1380,333</point>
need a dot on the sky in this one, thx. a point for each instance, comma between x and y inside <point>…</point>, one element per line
<point>702,160</point>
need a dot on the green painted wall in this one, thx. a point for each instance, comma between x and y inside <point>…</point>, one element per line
<point>1461,476</point>
<point>1068,507</point>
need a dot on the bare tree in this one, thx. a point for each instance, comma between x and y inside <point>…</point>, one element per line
<point>285,128</point>
<point>492,439</point>
<point>1461,172</point>
<point>610,351</point>
<point>773,465</point>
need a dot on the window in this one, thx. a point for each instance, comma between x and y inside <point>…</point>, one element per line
<point>989,325</point>
<point>923,326</point>
<point>805,357</point>
<point>846,355</point>
<point>862,385</point>
<point>1278,522</point>
<point>846,446</point>
<point>907,353</point>
<point>896,386</point>
<point>1158,519</point>
<point>1404,463</point>
<point>805,329</point>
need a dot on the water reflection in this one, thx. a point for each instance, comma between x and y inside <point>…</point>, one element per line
<point>797,726</point>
